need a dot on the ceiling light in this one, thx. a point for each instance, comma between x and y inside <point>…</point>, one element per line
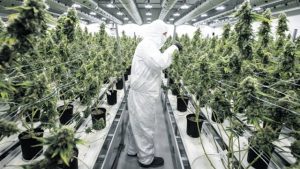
<point>171,19</point>
<point>76,6</point>
<point>148,22</point>
<point>176,14</point>
<point>204,15</point>
<point>120,13</point>
<point>110,5</point>
<point>126,19</point>
<point>220,8</point>
<point>148,13</point>
<point>103,18</point>
<point>168,22</point>
<point>92,13</point>
<point>148,6</point>
<point>257,9</point>
<point>148,19</point>
<point>194,20</point>
<point>185,6</point>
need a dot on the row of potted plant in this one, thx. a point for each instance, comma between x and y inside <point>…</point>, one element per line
<point>243,75</point>
<point>42,67</point>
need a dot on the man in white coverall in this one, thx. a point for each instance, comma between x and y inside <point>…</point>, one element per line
<point>144,95</point>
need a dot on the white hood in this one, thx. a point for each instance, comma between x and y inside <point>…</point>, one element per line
<point>155,31</point>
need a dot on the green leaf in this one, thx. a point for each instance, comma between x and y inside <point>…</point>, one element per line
<point>63,155</point>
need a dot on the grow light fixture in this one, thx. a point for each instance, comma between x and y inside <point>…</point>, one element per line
<point>176,14</point>
<point>148,19</point>
<point>92,13</point>
<point>104,19</point>
<point>76,6</point>
<point>185,6</point>
<point>120,13</point>
<point>204,15</point>
<point>110,5</point>
<point>126,19</point>
<point>194,20</point>
<point>148,13</point>
<point>148,6</point>
<point>168,22</point>
<point>220,8</point>
<point>171,19</point>
<point>257,9</point>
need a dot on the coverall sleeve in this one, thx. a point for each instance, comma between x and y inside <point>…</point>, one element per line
<point>157,60</point>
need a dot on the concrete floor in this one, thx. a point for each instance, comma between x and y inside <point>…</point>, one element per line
<point>162,148</point>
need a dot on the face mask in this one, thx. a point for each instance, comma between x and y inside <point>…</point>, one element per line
<point>163,40</point>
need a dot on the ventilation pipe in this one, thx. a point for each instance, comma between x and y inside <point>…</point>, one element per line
<point>131,8</point>
<point>257,3</point>
<point>203,8</point>
<point>90,4</point>
<point>63,8</point>
<point>167,5</point>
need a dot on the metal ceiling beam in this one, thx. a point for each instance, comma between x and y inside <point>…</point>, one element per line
<point>291,7</point>
<point>257,3</point>
<point>63,8</point>
<point>214,17</point>
<point>133,11</point>
<point>167,5</point>
<point>203,8</point>
<point>90,4</point>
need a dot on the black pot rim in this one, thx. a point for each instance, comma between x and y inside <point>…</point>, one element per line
<point>67,107</point>
<point>39,131</point>
<point>98,108</point>
<point>194,115</point>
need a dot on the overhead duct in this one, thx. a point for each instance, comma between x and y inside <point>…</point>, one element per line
<point>203,8</point>
<point>63,8</point>
<point>214,17</point>
<point>88,17</point>
<point>90,4</point>
<point>257,3</point>
<point>131,8</point>
<point>167,5</point>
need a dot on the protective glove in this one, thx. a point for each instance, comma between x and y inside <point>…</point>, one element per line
<point>179,46</point>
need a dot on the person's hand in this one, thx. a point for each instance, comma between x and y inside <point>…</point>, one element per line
<point>179,46</point>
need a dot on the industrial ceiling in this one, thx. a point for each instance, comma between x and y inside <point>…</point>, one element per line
<point>178,12</point>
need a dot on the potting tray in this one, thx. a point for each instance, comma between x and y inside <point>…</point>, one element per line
<point>192,146</point>
<point>93,141</point>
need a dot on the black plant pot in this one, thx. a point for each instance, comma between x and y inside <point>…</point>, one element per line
<point>30,146</point>
<point>34,118</point>
<point>182,103</point>
<point>73,164</point>
<point>97,114</point>
<point>171,81</point>
<point>262,162</point>
<point>128,70</point>
<point>218,118</point>
<point>119,84</point>
<point>175,91</point>
<point>66,114</point>
<point>192,127</point>
<point>112,97</point>
<point>166,75</point>
<point>126,76</point>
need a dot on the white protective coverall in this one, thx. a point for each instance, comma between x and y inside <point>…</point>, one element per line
<point>145,89</point>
